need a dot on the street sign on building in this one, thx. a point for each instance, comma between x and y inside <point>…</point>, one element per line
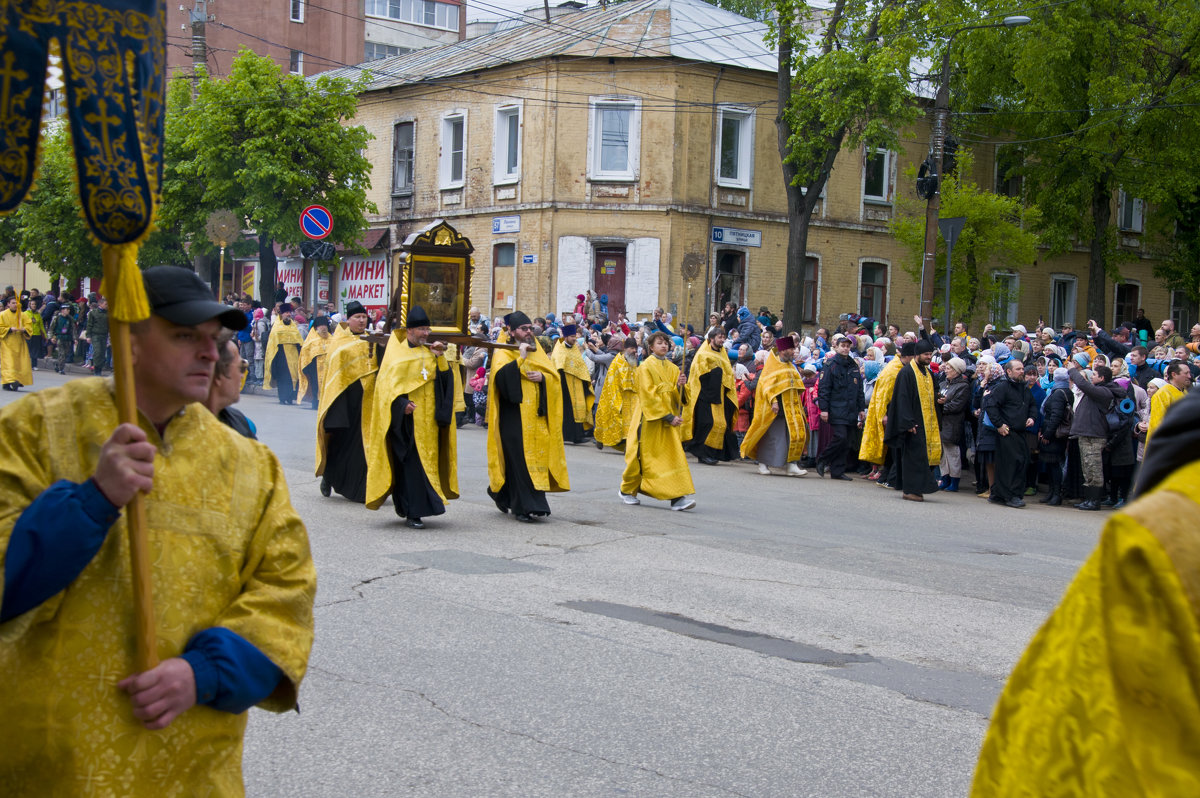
<point>316,222</point>
<point>529,259</point>
<point>733,235</point>
<point>506,224</point>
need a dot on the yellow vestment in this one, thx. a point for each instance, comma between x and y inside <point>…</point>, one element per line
<point>933,437</point>
<point>15,365</point>
<point>454,360</point>
<point>1163,398</point>
<point>654,461</point>
<point>617,397</point>
<point>226,550</point>
<point>873,449</point>
<point>287,336</point>
<point>541,436</point>
<point>778,381</point>
<point>409,371</point>
<point>705,361</point>
<point>569,360</point>
<point>315,348</point>
<point>351,362</point>
<point>1105,701</point>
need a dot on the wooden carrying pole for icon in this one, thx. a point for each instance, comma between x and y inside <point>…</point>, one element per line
<point>689,270</point>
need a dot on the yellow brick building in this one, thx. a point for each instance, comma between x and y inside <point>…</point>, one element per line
<point>600,150</point>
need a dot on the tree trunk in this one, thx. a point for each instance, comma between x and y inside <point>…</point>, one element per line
<point>1097,274</point>
<point>973,281</point>
<point>205,266</point>
<point>267,264</point>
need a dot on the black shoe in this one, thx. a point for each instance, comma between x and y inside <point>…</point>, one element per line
<point>500,506</point>
<point>1054,500</point>
<point>599,445</point>
<point>820,469</point>
<point>1088,505</point>
<point>1108,502</point>
<point>414,523</point>
<point>843,477</point>
<point>708,460</point>
<point>326,488</point>
<point>1015,502</point>
<point>524,518</point>
<point>996,500</point>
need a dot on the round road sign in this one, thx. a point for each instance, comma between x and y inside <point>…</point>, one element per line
<point>316,222</point>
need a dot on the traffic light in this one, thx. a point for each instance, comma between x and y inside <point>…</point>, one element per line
<point>949,156</point>
<point>927,180</point>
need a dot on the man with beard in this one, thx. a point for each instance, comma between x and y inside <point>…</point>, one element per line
<point>283,357</point>
<point>712,403</point>
<point>1009,407</point>
<point>872,449</point>
<point>312,361</point>
<point>617,398</point>
<point>843,403</point>
<point>777,436</point>
<point>411,443</point>
<point>343,417</point>
<point>526,458</point>
<point>912,428</point>
<point>576,386</point>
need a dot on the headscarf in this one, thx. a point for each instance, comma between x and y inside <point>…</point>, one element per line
<point>871,369</point>
<point>743,313</point>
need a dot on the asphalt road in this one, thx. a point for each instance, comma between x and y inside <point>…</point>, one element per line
<point>788,637</point>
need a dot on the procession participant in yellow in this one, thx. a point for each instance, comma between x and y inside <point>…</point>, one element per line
<point>912,427</point>
<point>312,361</point>
<point>872,449</point>
<point>349,330</point>
<point>1179,378</point>
<point>712,403</point>
<point>576,386</point>
<point>654,460</point>
<point>233,578</point>
<point>526,458</point>
<point>283,356</point>
<point>777,435</point>
<point>455,361</point>
<point>617,398</point>
<point>412,451</point>
<point>343,416</point>
<point>1104,702</point>
<point>15,367</point>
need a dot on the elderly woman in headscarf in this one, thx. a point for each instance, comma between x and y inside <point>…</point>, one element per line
<point>1052,447</point>
<point>954,397</point>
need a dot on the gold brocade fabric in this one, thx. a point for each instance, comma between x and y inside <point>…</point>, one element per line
<point>569,360</point>
<point>409,371</point>
<point>705,361</point>
<point>541,436</point>
<point>1105,701</point>
<point>616,402</point>
<point>873,449</point>
<point>454,360</point>
<point>287,336</point>
<point>315,348</point>
<point>933,438</point>
<point>226,549</point>
<point>1163,398</point>
<point>780,382</point>
<point>654,461</point>
<point>15,365</point>
<point>350,363</point>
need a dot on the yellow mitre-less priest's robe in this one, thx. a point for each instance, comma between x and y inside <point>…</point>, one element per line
<point>1105,701</point>
<point>705,361</point>
<point>1163,398</point>
<point>778,381</point>
<point>227,549</point>
<point>410,371</point>
<point>15,365</point>
<point>569,360</point>
<point>541,436</point>
<point>345,366</point>
<point>315,349</point>
<point>873,449</point>
<point>654,461</point>
<point>933,437</point>
<point>615,406</point>
<point>287,336</point>
<point>454,360</point>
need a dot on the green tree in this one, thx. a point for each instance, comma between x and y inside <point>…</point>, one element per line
<point>1102,96</point>
<point>997,233</point>
<point>265,145</point>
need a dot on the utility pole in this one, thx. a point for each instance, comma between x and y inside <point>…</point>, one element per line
<point>199,41</point>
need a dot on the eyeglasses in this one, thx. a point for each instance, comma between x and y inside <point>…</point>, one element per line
<point>245,368</point>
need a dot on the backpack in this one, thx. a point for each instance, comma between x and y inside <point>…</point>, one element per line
<point>1064,428</point>
<point>1121,415</point>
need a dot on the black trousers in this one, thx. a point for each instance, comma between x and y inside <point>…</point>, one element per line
<point>839,446</point>
<point>1012,457</point>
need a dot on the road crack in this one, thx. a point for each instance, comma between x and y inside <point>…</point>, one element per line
<point>357,586</point>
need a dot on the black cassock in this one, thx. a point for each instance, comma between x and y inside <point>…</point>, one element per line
<point>713,392</point>
<point>911,456</point>
<point>345,457</point>
<point>413,495</point>
<point>518,493</point>
<point>282,376</point>
<point>314,394</point>
<point>1009,403</point>
<point>573,431</point>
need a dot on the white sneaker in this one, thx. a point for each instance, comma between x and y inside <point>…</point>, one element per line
<point>683,503</point>
<point>762,469</point>
<point>794,470</point>
<point>629,498</point>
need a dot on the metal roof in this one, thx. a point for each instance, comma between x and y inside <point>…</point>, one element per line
<point>685,29</point>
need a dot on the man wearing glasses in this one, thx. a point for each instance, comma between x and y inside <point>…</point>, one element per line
<point>228,376</point>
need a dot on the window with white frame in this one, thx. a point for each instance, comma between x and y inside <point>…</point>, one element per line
<point>876,173</point>
<point>872,290</point>
<point>614,139</point>
<point>1009,160</point>
<point>1129,213</point>
<point>506,150</point>
<point>403,141</point>
<point>429,13</point>
<point>1127,298</point>
<point>297,9</point>
<point>453,153</point>
<point>1184,312</point>
<point>735,150</point>
<point>1062,300</point>
<point>296,62</point>
<point>373,51</point>
<point>1004,301</point>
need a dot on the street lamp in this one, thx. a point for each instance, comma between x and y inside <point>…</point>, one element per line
<point>941,116</point>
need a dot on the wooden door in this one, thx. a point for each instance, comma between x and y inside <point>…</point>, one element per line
<point>609,278</point>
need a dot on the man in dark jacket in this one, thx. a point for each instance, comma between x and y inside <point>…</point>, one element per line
<point>1009,406</point>
<point>1141,371</point>
<point>843,404</point>
<point>1091,429</point>
<point>97,335</point>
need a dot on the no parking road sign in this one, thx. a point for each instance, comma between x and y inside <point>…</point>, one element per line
<point>316,222</point>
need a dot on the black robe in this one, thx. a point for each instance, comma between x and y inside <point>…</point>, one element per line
<point>345,457</point>
<point>518,493</point>
<point>911,457</point>
<point>313,394</point>
<point>281,375</point>
<point>413,495</point>
<point>1010,403</point>
<point>573,431</point>
<point>712,392</point>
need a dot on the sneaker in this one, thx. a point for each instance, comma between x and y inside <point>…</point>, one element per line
<point>762,469</point>
<point>794,470</point>
<point>683,503</point>
<point>629,498</point>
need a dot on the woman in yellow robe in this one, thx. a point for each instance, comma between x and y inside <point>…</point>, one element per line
<point>777,435</point>
<point>712,402</point>
<point>283,357</point>
<point>617,398</point>
<point>654,460</point>
<point>15,367</point>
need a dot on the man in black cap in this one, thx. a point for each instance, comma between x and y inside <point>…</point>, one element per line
<point>233,578</point>
<point>576,386</point>
<point>283,356</point>
<point>1009,406</point>
<point>526,458</point>
<point>344,409</point>
<point>843,405</point>
<point>912,429</point>
<point>412,452</point>
<point>312,360</point>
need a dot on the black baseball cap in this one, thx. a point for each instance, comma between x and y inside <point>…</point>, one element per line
<point>181,297</point>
